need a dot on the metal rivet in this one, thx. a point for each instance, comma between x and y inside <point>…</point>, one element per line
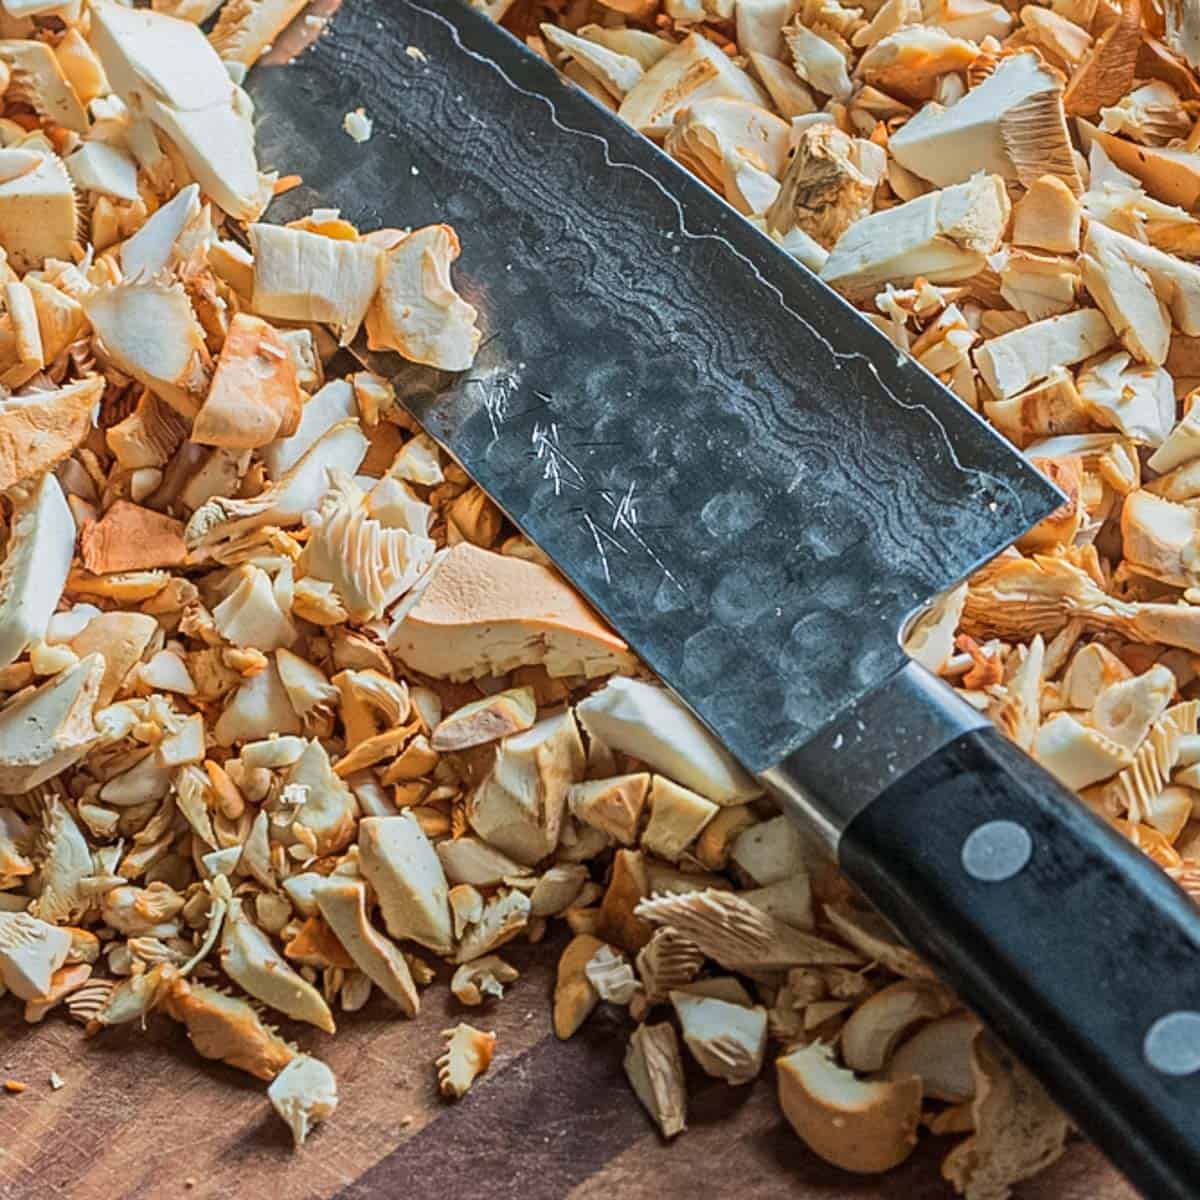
<point>996,851</point>
<point>1172,1044</point>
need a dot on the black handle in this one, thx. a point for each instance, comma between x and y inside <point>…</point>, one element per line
<point>1066,939</point>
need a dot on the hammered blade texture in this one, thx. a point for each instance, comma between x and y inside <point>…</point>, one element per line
<point>735,468</point>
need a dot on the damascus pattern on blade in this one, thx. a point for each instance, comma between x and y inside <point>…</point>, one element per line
<point>738,471</point>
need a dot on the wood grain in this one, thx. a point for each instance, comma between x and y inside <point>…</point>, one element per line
<point>142,1116</point>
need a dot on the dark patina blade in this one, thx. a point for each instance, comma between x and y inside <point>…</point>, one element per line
<point>741,473</point>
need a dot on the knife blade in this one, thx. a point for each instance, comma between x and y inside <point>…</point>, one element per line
<point>758,492</point>
<point>656,381</point>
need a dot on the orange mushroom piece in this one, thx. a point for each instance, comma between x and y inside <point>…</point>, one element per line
<point>255,395</point>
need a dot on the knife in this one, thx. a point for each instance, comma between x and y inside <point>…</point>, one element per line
<point>757,491</point>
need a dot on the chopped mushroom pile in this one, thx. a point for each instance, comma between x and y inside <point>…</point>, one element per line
<point>289,711</point>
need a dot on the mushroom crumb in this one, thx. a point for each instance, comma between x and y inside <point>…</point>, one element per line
<point>467,1055</point>
<point>289,708</point>
<point>358,125</point>
<point>303,1094</point>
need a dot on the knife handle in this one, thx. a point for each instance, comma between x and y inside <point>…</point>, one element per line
<point>1071,943</point>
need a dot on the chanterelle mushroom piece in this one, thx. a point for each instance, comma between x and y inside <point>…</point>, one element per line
<point>329,808</point>
<point>1152,114</point>
<point>104,169</point>
<point>252,962</point>
<point>1161,539</point>
<point>518,806</point>
<point>667,962</point>
<point>343,903</point>
<point>130,537</point>
<point>877,1025</point>
<point>694,70</point>
<point>416,311</point>
<point>628,886</point>
<point>65,864</point>
<point>727,1040</point>
<point>38,207</point>
<point>574,995</point>
<point>860,1126</point>
<point>369,566</point>
<point>40,429</point>
<point>150,331</point>
<point>828,185</point>
<point>16,839</point>
<point>245,29</point>
<point>400,863</point>
<point>648,722</point>
<point>1047,217</point>
<point>1125,294</point>
<point>227,1028</point>
<point>486,720</point>
<point>467,1055</point>
<point>1024,596</point>
<point>166,70</point>
<point>482,979</point>
<point>284,502</point>
<point>1135,398</point>
<point>940,1055</point>
<point>1182,444</point>
<point>1051,406</point>
<point>907,63</point>
<point>875,939</point>
<point>1075,754</point>
<point>40,545</point>
<point>255,396</point>
<point>332,405</point>
<point>304,1093</point>
<point>1010,123</point>
<point>1037,285</point>
<point>733,932</point>
<point>153,248</point>
<point>250,615</point>
<point>818,61</point>
<point>655,1069</point>
<point>677,817</point>
<point>1018,1128</point>
<point>772,850</point>
<point>304,276</point>
<point>468,860</point>
<point>1169,173</point>
<point>944,237</point>
<point>259,708</point>
<point>1011,362</point>
<point>1166,285</point>
<point>149,436</point>
<point>616,72</point>
<point>614,806</point>
<point>486,926</point>
<point>646,48</point>
<point>715,138</point>
<point>1108,69</point>
<point>65,982</point>
<point>791,96</point>
<point>481,613</point>
<point>48,729</point>
<point>122,637</point>
<point>30,952</point>
<point>39,80</point>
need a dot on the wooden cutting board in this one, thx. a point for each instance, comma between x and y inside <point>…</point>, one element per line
<point>142,1115</point>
